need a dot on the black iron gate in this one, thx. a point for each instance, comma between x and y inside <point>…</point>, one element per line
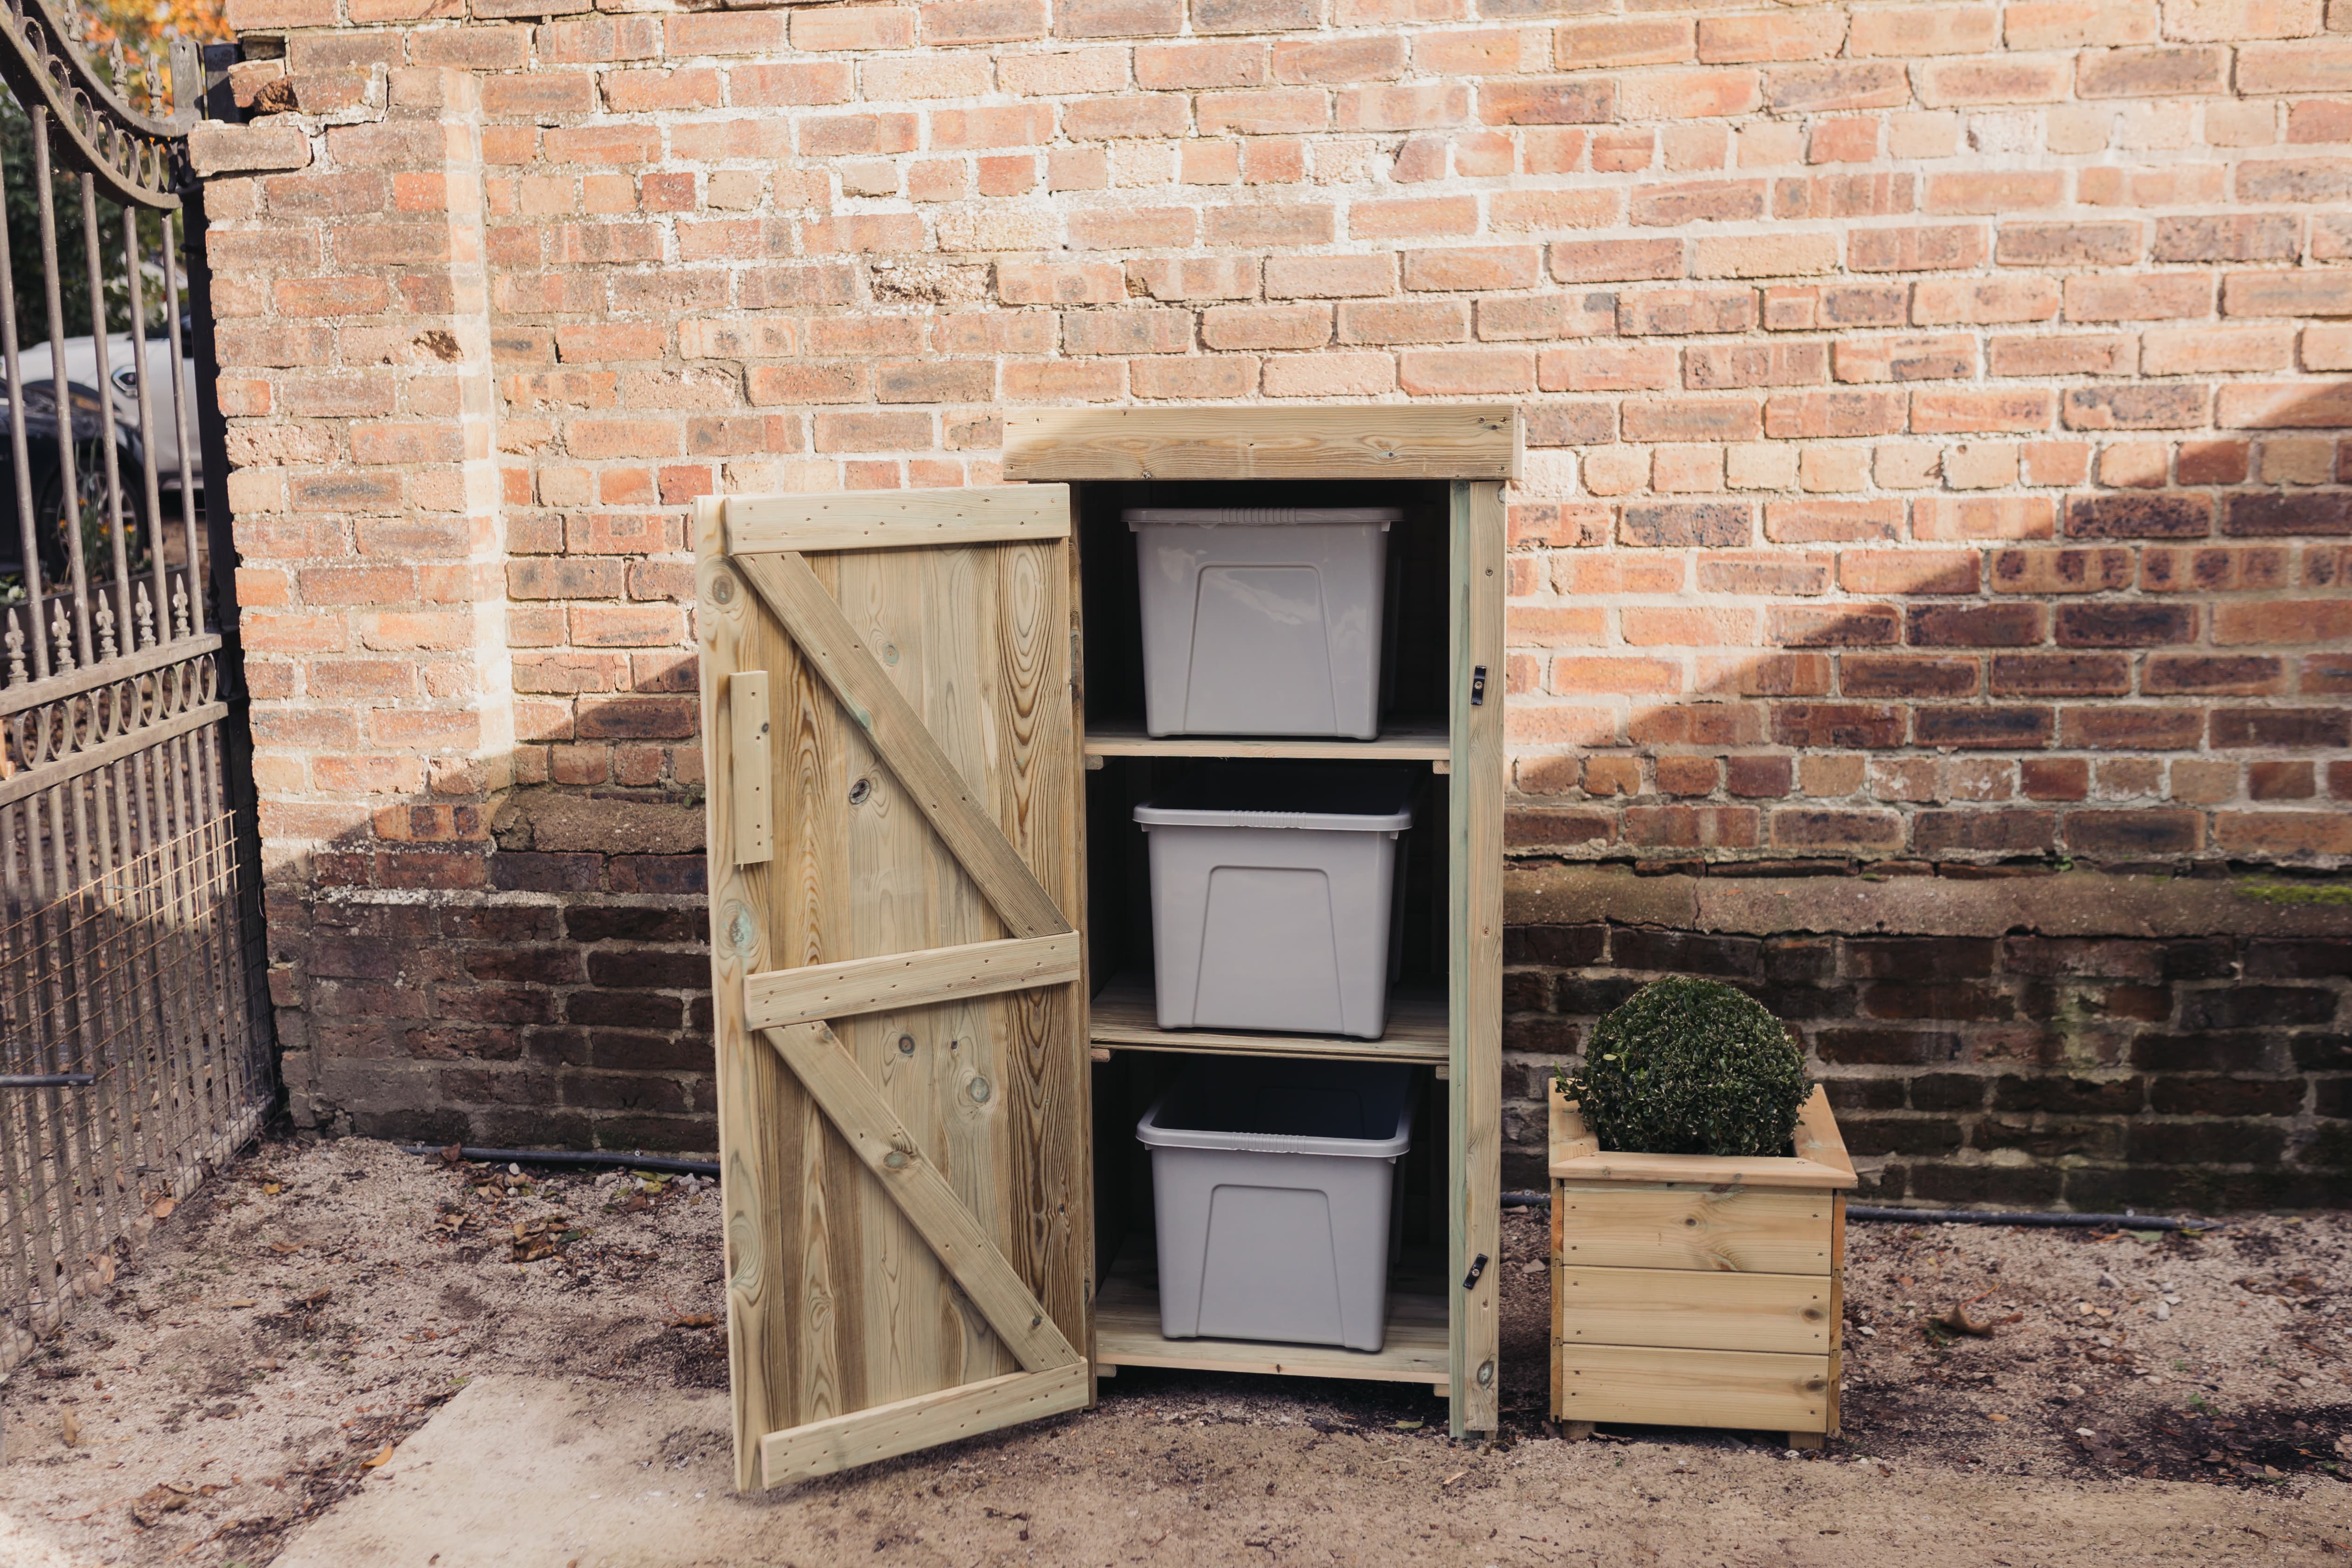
<point>134,1048</point>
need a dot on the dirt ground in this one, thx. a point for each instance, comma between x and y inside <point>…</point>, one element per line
<point>265,1355</point>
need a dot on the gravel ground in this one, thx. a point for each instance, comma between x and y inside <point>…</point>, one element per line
<point>301,1315</point>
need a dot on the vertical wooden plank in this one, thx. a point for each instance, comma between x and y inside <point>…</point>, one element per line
<point>1837,1306</point>
<point>1039,800</point>
<point>1475,967</point>
<point>831,1270</point>
<point>1083,1175</point>
<point>753,814</point>
<point>754,1091</point>
<point>1552,1313</point>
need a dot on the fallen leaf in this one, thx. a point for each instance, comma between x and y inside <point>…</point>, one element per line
<point>69,1428</point>
<point>695,1320</point>
<point>283,1247</point>
<point>270,1189</point>
<point>164,1206</point>
<point>385,1453</point>
<point>1996,1416</point>
<point>244,1301</point>
<point>158,1500</point>
<point>1408,1426</point>
<point>1958,1320</point>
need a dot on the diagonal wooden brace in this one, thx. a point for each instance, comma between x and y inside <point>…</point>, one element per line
<point>883,1144</point>
<point>905,743</point>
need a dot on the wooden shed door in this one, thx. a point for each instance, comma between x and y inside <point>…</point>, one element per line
<point>889,720</point>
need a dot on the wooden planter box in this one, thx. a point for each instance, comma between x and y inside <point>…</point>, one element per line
<point>1689,1290</point>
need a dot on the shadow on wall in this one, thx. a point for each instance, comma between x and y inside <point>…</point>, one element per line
<point>2152,670</point>
<point>2129,674</point>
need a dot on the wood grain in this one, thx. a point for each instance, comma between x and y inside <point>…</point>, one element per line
<point>1371,442</point>
<point>924,1420</point>
<point>897,733</point>
<point>1740,1229</point>
<point>882,1144</point>
<point>1475,953</point>
<point>897,519</point>
<point>746,732</point>
<point>1407,742</point>
<point>844,1306</point>
<point>1125,1015</point>
<point>1744,1389</point>
<point>1413,1346</point>
<point>757,1099</point>
<point>775,997</point>
<point>1694,1310</point>
<point>1815,1124</point>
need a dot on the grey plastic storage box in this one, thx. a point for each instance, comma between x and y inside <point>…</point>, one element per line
<point>1273,1183</point>
<point>1262,620</point>
<point>1272,893</point>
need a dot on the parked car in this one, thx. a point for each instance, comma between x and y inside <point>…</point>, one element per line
<point>122,371</point>
<point>88,517</point>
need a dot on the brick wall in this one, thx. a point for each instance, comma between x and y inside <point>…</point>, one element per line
<point>1935,415</point>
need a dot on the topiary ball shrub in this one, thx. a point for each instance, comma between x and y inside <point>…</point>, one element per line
<point>1690,1067</point>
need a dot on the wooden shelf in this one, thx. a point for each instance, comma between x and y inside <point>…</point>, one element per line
<point>1126,1015</point>
<point>1409,740</point>
<point>1127,1333</point>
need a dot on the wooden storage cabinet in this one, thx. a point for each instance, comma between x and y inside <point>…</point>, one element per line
<point>930,948</point>
<point>1694,1291</point>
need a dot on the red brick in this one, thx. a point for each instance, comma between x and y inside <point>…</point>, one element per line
<point>1941,356</point>
<point>1813,89</point>
<point>2136,406</point>
<point>1722,366</point>
<point>1698,201</point>
<point>1440,373</point>
<point>1937,301</point>
<point>1907,675</point>
<point>1786,35</point>
<point>1994,79</point>
<point>2061,675</point>
<point>1996,192</point>
<point>1468,270</point>
<point>975,22</point>
<point>1548,100</point>
<point>2163,72</point>
<point>1907,571</point>
<point>1610,43</point>
<point>1937,247</point>
<point>1815,415</point>
<point>2116,728</point>
<point>1832,522</point>
<point>1958,413</point>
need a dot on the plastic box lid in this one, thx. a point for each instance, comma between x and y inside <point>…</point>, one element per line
<point>1270,1106</point>
<point>1347,798</point>
<point>1258,516</point>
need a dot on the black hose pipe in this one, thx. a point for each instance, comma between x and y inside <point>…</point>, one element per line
<point>579,1158</point>
<point>1955,1217</point>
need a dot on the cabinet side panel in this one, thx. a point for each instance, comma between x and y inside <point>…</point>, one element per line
<point>1476,956</point>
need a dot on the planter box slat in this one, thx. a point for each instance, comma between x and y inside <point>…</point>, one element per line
<point>1693,1290</point>
<point>1754,1230</point>
<point>1779,1312</point>
<point>1746,1389</point>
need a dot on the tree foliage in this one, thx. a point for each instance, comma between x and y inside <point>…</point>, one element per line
<point>127,42</point>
